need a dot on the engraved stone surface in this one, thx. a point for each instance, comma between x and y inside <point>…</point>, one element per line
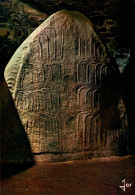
<point>58,79</point>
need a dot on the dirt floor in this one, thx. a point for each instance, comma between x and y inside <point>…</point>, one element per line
<point>101,176</point>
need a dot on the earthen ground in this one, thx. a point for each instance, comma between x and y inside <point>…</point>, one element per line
<point>101,176</point>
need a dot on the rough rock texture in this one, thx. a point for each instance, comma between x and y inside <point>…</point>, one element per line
<point>63,82</point>
<point>113,21</point>
<point>17,21</point>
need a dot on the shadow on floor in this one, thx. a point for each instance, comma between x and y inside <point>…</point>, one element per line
<point>10,169</point>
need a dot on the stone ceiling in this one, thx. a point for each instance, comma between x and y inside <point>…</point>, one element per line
<point>97,7</point>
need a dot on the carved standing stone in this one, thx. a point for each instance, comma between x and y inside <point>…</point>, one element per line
<point>58,78</point>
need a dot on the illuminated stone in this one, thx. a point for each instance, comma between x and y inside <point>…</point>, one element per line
<point>58,79</point>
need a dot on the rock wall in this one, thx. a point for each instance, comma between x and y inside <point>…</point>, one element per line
<point>62,80</point>
<point>112,21</point>
<point>17,21</point>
